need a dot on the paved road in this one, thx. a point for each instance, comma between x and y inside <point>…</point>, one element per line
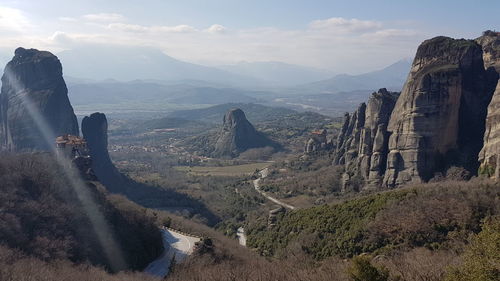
<point>263,173</point>
<point>242,238</point>
<point>175,244</point>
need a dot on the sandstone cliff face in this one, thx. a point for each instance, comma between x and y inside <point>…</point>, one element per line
<point>238,135</point>
<point>436,123</point>
<point>362,143</point>
<point>489,156</point>
<point>34,104</point>
<point>439,118</point>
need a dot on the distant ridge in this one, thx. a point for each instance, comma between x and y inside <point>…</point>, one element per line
<point>391,77</point>
<point>130,63</point>
<point>278,73</point>
<point>255,112</point>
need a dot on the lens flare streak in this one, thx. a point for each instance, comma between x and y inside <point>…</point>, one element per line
<point>101,228</point>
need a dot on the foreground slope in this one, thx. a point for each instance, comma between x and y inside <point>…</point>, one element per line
<point>44,217</point>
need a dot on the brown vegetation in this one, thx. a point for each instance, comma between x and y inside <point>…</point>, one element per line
<point>15,266</point>
<point>43,217</point>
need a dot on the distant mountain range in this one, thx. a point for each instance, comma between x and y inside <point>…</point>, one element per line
<point>278,73</point>
<point>141,79</point>
<point>331,96</point>
<point>391,77</point>
<point>143,63</point>
<point>132,63</point>
<point>100,62</point>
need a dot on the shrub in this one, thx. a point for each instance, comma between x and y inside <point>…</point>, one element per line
<point>481,260</point>
<point>363,270</point>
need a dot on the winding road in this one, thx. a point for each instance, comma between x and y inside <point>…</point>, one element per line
<point>242,238</point>
<point>263,173</point>
<point>175,245</point>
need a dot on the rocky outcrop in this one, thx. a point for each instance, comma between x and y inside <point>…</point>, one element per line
<point>362,142</point>
<point>34,104</point>
<point>238,135</point>
<point>95,132</point>
<point>439,119</point>
<point>489,157</point>
<point>273,216</point>
<point>318,142</point>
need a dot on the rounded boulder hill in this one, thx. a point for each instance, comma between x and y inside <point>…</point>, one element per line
<point>238,134</point>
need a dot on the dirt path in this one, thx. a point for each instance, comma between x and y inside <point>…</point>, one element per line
<point>263,174</point>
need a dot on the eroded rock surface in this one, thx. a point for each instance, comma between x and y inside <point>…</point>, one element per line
<point>34,104</point>
<point>238,134</point>
<point>489,156</point>
<point>362,143</point>
<point>95,132</point>
<point>439,118</point>
<point>437,123</point>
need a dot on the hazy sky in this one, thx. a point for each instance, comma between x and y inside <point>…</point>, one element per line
<point>344,36</point>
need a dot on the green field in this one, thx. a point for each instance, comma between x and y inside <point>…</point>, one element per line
<point>235,170</point>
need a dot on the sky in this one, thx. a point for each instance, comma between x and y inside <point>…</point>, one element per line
<point>340,36</point>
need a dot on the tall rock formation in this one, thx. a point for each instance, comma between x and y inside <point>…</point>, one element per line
<point>439,119</point>
<point>362,143</point>
<point>437,122</point>
<point>34,104</point>
<point>95,132</point>
<point>489,156</point>
<point>238,135</point>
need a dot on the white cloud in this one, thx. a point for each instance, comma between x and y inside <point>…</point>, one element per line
<point>183,28</point>
<point>60,37</point>
<point>343,25</point>
<point>67,19</point>
<point>338,44</point>
<point>341,45</point>
<point>388,34</point>
<point>151,29</point>
<point>13,20</point>
<point>216,28</point>
<point>127,27</point>
<point>104,17</point>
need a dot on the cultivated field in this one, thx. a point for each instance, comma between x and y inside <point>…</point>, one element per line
<point>235,170</point>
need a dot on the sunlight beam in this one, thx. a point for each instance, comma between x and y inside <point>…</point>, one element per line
<point>100,227</point>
